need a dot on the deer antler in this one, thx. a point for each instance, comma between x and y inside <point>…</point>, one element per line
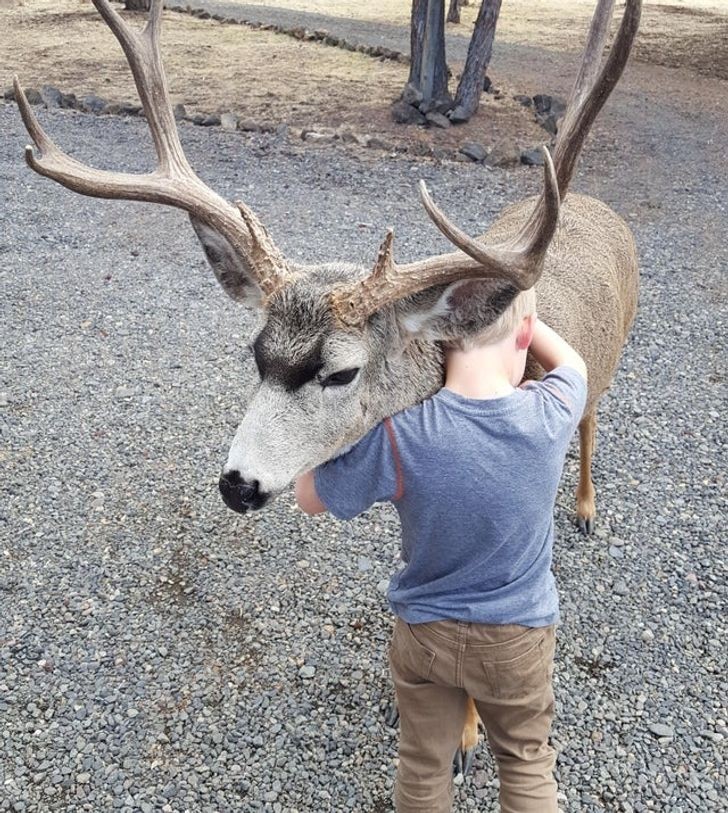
<point>173,182</point>
<point>520,260</point>
<point>593,86</point>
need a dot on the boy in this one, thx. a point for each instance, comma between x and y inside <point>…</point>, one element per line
<point>473,472</point>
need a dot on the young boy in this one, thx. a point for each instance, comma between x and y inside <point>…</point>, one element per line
<point>473,472</point>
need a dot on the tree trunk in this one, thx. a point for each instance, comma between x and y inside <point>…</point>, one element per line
<point>428,70</point>
<point>480,50</point>
<point>136,5</point>
<point>453,13</point>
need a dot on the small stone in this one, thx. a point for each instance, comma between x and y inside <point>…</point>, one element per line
<point>615,552</point>
<point>438,120</point>
<point>180,112</point>
<point>532,158</point>
<point>364,563</point>
<point>83,778</point>
<point>661,730</point>
<point>383,586</point>
<point>487,83</point>
<point>307,672</point>
<point>404,113</point>
<point>123,392</point>
<point>522,99</point>
<point>648,636</point>
<point>229,122</point>
<point>620,588</point>
<point>377,143</point>
<point>4,399</point>
<point>474,151</point>
<point>317,137</point>
<point>213,120</point>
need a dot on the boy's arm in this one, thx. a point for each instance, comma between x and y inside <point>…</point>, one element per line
<point>306,495</point>
<point>551,351</point>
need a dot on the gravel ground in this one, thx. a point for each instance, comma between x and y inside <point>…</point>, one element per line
<point>158,652</point>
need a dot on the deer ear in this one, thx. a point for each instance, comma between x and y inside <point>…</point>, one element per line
<point>232,270</point>
<point>454,311</point>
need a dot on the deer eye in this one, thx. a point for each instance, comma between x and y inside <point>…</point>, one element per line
<point>341,378</point>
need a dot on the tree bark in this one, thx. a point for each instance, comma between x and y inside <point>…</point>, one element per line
<point>480,51</point>
<point>453,13</point>
<point>428,70</point>
<point>136,5</point>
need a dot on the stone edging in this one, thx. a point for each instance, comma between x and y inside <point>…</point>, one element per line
<point>300,33</point>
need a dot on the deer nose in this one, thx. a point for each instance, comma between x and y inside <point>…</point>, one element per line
<point>239,494</point>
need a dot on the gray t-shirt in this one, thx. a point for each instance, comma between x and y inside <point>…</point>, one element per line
<point>474,482</point>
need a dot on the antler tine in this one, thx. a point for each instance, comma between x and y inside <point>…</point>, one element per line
<point>593,87</point>
<point>143,53</point>
<point>173,183</point>
<point>518,261</point>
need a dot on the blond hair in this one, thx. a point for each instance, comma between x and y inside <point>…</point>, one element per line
<point>523,305</point>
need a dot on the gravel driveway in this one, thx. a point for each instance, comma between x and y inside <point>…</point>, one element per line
<point>152,642</point>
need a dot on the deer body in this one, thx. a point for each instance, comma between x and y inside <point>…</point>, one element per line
<point>339,348</point>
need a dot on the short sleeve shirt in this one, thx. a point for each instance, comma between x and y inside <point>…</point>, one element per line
<point>474,483</point>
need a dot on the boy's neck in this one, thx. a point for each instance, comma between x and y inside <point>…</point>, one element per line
<point>491,371</point>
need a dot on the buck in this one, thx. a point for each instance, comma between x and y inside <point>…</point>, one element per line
<point>342,348</point>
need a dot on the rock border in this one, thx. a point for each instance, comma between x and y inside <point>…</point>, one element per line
<point>319,35</point>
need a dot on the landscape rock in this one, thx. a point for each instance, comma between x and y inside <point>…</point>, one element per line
<point>248,125</point>
<point>33,96</point>
<point>52,97</point>
<point>404,113</point>
<point>411,95</point>
<point>474,151</point>
<point>180,112</point>
<point>211,120</point>
<point>438,120</point>
<point>229,122</point>
<point>532,158</point>
<point>458,115</point>
<point>522,99</point>
<point>504,154</point>
<point>93,104</point>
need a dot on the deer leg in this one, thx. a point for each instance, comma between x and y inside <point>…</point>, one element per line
<point>464,756</point>
<point>585,496</point>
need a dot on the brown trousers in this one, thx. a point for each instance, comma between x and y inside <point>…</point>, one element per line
<point>507,671</point>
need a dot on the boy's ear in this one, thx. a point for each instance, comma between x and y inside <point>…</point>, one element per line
<point>231,270</point>
<point>454,311</point>
<point>524,337</point>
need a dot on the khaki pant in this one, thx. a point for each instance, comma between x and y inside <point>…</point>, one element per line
<point>507,671</point>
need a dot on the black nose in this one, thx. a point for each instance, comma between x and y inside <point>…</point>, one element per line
<point>239,494</point>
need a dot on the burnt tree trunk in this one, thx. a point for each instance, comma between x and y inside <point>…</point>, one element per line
<point>480,50</point>
<point>453,13</point>
<point>428,70</point>
<point>136,5</point>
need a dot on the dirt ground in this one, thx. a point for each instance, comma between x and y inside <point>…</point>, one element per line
<point>682,33</point>
<point>277,79</point>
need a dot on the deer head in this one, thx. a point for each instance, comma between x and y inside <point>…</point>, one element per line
<point>339,348</point>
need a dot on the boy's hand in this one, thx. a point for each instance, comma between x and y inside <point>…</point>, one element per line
<point>306,496</point>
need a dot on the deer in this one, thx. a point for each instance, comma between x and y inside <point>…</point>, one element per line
<point>340,347</point>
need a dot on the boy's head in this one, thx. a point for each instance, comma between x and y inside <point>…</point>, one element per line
<point>516,321</point>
